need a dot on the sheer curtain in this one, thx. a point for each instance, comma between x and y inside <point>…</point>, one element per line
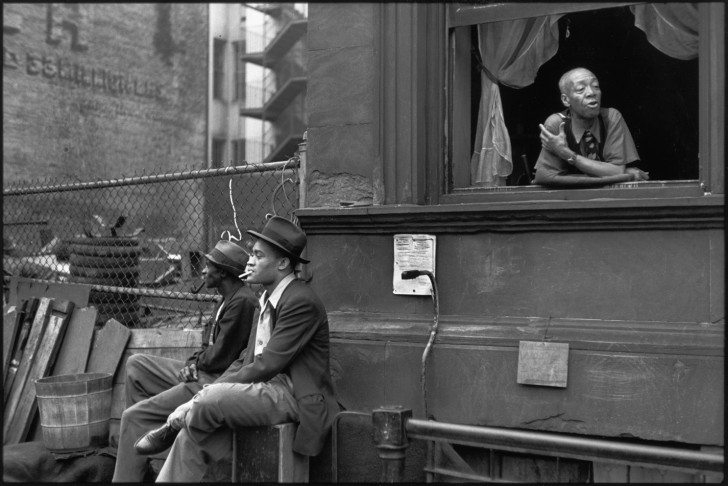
<point>512,51</point>
<point>672,28</point>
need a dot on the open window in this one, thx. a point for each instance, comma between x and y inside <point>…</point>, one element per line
<point>505,61</point>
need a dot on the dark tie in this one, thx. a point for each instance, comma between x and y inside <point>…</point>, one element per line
<point>590,145</point>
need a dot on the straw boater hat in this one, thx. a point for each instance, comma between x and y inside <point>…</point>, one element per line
<point>285,236</point>
<point>229,256</point>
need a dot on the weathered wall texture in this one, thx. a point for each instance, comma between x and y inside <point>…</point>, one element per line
<point>101,90</point>
<point>340,100</point>
<point>645,354</point>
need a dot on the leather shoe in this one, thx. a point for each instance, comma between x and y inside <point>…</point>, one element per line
<point>156,441</point>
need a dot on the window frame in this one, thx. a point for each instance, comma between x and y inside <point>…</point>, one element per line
<point>711,83</point>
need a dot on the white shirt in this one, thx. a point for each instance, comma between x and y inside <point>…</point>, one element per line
<point>262,335</point>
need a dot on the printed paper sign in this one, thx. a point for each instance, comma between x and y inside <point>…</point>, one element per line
<point>413,252</point>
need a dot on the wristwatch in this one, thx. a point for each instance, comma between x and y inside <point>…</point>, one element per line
<point>572,160</point>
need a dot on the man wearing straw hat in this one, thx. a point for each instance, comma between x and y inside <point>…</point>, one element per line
<point>283,377</point>
<point>156,386</point>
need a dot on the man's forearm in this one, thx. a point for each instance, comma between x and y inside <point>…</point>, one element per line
<point>592,167</point>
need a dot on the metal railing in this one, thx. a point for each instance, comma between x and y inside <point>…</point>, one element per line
<point>394,427</point>
<point>139,241</point>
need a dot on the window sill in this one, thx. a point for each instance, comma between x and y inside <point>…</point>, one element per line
<point>605,212</point>
<point>627,190</point>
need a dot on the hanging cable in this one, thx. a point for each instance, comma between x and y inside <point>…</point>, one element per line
<point>408,275</point>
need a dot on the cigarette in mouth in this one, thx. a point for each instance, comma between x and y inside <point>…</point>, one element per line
<point>245,275</point>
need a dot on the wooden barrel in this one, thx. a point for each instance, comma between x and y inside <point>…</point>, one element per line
<point>75,411</point>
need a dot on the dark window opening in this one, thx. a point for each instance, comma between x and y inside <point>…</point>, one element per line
<point>218,152</point>
<point>656,94</point>
<point>218,68</point>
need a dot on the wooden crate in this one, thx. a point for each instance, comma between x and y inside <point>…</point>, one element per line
<point>265,454</point>
<point>170,343</point>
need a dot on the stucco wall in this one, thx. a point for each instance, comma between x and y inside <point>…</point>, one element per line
<point>639,309</point>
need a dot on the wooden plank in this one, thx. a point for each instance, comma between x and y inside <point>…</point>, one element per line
<point>109,344</point>
<point>42,362</point>
<point>28,356</point>
<point>76,345</point>
<point>165,338</point>
<point>12,321</point>
<point>19,347</point>
<point>22,288</point>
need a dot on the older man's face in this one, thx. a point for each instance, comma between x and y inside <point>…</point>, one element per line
<point>583,95</point>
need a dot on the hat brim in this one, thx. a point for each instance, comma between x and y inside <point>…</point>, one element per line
<point>277,245</point>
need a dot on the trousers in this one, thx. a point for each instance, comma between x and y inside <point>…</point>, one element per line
<point>216,410</point>
<point>153,391</point>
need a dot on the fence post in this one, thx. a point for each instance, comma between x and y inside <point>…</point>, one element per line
<point>390,439</point>
<point>302,171</point>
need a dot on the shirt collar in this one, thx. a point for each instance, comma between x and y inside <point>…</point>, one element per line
<point>594,129</point>
<point>275,296</point>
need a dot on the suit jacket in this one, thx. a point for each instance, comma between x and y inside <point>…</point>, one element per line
<point>230,333</point>
<point>299,347</point>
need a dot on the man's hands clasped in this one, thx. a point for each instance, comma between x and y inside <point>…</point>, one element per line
<point>188,373</point>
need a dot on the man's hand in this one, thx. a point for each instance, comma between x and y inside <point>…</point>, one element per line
<point>188,373</point>
<point>637,174</point>
<point>556,144</point>
<point>176,419</point>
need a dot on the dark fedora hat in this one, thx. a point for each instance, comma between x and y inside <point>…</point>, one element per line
<point>229,256</point>
<point>285,236</point>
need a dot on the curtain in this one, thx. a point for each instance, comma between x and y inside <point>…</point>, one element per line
<point>672,28</point>
<point>511,51</point>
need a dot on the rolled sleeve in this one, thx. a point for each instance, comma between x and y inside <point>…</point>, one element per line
<point>619,147</point>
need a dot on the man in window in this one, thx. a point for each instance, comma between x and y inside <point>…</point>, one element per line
<point>282,377</point>
<point>585,145</point>
<point>156,386</point>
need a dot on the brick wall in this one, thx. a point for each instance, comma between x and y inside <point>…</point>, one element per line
<point>102,90</point>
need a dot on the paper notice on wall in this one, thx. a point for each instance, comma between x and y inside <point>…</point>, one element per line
<point>413,252</point>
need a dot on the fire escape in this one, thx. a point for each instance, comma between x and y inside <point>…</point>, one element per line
<point>279,97</point>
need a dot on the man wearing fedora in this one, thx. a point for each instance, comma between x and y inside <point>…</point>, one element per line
<point>156,385</point>
<point>282,377</point>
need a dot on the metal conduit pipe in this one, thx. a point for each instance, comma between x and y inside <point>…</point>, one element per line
<point>561,445</point>
<point>408,275</point>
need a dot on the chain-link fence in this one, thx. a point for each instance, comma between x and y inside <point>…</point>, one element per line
<point>139,242</point>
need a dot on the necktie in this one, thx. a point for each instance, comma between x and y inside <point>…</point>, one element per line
<point>262,335</point>
<point>590,146</point>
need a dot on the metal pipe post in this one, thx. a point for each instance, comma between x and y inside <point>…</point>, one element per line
<point>391,441</point>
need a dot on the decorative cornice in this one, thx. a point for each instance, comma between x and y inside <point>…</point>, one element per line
<point>683,338</point>
<point>706,212</point>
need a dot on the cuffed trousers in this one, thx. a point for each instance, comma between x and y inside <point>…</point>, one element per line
<point>216,410</point>
<point>153,391</point>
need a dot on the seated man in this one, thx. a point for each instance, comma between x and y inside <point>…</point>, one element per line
<point>586,145</point>
<point>283,376</point>
<point>155,385</point>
